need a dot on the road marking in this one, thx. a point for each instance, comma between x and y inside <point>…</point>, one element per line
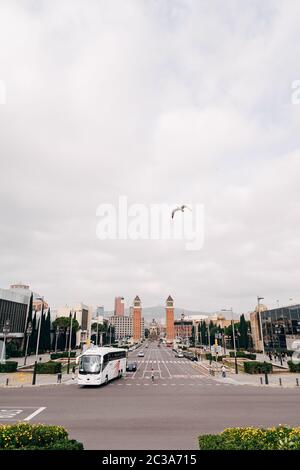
<point>9,414</point>
<point>39,410</point>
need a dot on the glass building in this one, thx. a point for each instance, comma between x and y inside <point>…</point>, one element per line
<point>280,327</point>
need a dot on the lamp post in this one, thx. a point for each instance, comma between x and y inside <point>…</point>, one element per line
<point>97,332</point>
<point>5,330</point>
<point>233,335</point>
<point>70,340</point>
<point>260,323</point>
<point>67,335</point>
<point>28,333</point>
<point>56,337</point>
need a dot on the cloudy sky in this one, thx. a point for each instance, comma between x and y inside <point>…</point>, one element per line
<point>161,101</point>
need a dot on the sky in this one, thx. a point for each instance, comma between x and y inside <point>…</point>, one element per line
<point>183,101</point>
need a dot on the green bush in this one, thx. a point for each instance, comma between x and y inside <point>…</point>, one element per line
<point>293,367</point>
<point>9,366</point>
<point>242,354</point>
<point>280,438</point>
<point>24,436</point>
<point>61,355</point>
<point>209,357</point>
<point>257,367</point>
<point>16,354</point>
<point>48,367</point>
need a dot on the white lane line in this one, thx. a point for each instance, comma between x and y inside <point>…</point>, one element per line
<point>42,408</point>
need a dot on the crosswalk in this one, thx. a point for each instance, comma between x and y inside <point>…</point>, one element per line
<point>203,384</point>
<point>160,362</point>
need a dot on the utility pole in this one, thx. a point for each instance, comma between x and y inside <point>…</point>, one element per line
<point>70,340</point>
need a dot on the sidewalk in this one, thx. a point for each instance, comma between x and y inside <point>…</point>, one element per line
<point>24,379</point>
<point>287,379</point>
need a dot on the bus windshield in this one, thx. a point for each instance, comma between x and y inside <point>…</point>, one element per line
<point>90,364</point>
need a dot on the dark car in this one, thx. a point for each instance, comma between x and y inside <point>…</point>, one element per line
<point>131,367</point>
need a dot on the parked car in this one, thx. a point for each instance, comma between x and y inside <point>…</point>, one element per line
<point>130,349</point>
<point>141,354</point>
<point>179,354</point>
<point>131,367</point>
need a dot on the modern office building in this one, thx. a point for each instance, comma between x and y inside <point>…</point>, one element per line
<point>119,306</point>
<point>14,307</point>
<point>276,328</point>
<point>170,332</point>
<point>122,326</point>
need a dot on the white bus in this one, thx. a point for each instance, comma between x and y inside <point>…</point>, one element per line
<point>100,365</point>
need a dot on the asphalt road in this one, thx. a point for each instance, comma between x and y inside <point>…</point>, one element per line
<point>134,413</point>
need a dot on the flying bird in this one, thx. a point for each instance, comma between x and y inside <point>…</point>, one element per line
<point>180,208</point>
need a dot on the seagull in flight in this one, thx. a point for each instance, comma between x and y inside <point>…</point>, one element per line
<point>180,208</point>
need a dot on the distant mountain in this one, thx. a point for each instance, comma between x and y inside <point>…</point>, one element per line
<point>159,312</point>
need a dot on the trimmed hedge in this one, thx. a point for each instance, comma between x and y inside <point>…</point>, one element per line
<point>9,366</point>
<point>24,436</point>
<point>257,367</point>
<point>293,367</point>
<point>209,357</point>
<point>16,354</point>
<point>279,438</point>
<point>62,354</point>
<point>242,354</point>
<point>48,367</point>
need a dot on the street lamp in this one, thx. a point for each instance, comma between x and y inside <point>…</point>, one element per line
<point>70,340</point>
<point>5,330</point>
<point>233,335</point>
<point>260,322</point>
<point>67,335</point>
<point>28,333</point>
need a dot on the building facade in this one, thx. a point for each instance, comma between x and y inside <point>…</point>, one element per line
<point>276,328</point>
<point>119,306</point>
<point>183,328</point>
<point>123,326</point>
<point>83,314</point>
<point>170,332</point>
<point>14,306</point>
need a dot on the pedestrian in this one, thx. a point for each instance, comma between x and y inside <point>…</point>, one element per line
<point>223,369</point>
<point>59,375</point>
<point>73,372</point>
<point>152,375</point>
<point>270,356</point>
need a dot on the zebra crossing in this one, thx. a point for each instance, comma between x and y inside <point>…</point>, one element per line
<point>150,361</point>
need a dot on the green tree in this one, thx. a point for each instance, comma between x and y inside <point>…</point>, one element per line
<point>29,320</point>
<point>47,330</point>
<point>63,323</point>
<point>243,333</point>
<point>33,336</point>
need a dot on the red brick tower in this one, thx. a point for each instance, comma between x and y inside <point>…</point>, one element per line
<point>170,320</point>
<point>136,319</point>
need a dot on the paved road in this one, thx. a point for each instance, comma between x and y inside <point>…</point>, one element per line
<point>134,413</point>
